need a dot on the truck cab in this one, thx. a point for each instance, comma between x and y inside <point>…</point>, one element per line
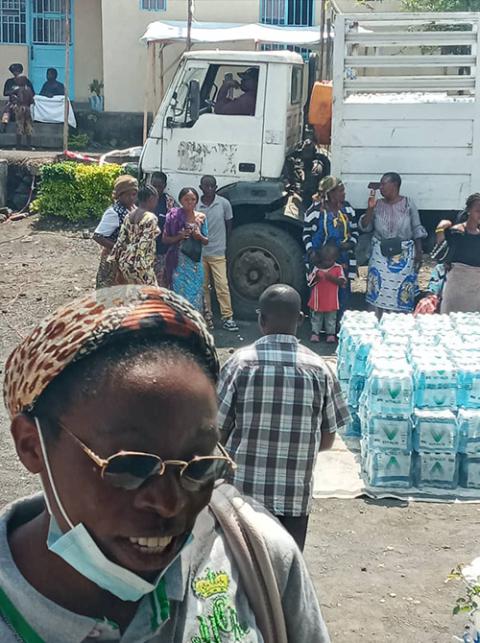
<point>245,152</point>
<point>188,139</point>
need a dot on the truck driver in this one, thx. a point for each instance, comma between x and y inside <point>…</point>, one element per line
<point>244,105</point>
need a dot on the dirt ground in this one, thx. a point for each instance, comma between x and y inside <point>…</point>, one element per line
<point>379,567</point>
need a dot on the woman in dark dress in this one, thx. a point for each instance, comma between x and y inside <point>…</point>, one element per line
<point>462,287</point>
<point>10,92</point>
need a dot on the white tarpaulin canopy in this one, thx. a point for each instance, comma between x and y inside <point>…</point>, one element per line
<point>217,32</point>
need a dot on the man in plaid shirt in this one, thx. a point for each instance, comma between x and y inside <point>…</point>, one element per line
<point>280,404</point>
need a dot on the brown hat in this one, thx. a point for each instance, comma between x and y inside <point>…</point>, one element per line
<point>124,183</point>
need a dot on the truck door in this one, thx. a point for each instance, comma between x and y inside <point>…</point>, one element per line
<point>227,146</point>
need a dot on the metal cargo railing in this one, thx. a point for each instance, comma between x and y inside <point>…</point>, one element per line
<point>407,52</point>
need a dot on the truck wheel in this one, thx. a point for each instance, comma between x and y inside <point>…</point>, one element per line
<point>260,255</point>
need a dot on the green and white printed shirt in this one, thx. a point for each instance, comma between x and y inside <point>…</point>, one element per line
<point>201,601</point>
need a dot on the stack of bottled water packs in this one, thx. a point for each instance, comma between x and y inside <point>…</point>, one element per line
<point>413,388</point>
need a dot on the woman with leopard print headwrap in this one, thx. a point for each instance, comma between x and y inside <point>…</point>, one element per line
<point>113,403</point>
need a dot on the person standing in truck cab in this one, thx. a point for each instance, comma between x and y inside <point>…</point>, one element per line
<point>245,104</point>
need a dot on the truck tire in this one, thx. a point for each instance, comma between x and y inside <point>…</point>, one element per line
<point>259,255</point>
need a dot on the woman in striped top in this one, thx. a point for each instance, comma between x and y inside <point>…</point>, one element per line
<point>331,219</point>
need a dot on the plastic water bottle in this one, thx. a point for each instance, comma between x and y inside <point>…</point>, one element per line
<point>387,432</point>
<point>385,357</point>
<point>434,323</point>
<point>361,347</point>
<point>469,431</point>
<point>435,384</point>
<point>468,383</point>
<point>470,472</point>
<point>435,431</point>
<point>436,470</point>
<point>353,428</point>
<point>355,389</point>
<point>388,468</point>
<point>393,322</point>
<point>391,391</point>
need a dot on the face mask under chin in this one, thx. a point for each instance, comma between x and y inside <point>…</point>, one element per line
<point>79,550</point>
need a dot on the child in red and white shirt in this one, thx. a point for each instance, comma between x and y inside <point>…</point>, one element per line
<point>324,281</point>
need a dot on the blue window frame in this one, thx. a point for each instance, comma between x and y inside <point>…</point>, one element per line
<point>153,5</point>
<point>48,26</point>
<point>13,22</point>
<point>289,13</point>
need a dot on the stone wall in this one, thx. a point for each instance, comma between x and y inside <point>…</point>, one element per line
<point>117,130</point>
<point>19,182</point>
<point>3,182</point>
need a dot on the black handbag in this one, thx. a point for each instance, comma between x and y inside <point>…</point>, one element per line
<point>192,248</point>
<point>391,247</point>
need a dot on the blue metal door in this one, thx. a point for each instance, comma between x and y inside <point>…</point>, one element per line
<point>48,42</point>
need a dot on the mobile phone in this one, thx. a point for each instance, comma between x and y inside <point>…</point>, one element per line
<point>374,185</point>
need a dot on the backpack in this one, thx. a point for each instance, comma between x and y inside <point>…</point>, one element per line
<point>237,518</point>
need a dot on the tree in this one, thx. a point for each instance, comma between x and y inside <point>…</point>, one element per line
<point>441,5</point>
<point>437,5</point>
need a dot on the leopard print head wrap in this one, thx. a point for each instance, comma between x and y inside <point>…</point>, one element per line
<point>83,325</point>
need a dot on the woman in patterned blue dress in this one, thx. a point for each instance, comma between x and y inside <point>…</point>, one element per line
<point>392,273</point>
<point>184,275</point>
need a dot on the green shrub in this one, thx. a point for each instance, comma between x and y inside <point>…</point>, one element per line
<point>74,191</point>
<point>78,141</point>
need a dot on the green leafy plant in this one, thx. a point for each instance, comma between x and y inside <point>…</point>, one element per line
<point>96,87</point>
<point>434,5</point>
<point>78,141</point>
<point>470,601</point>
<point>74,191</point>
<point>440,5</point>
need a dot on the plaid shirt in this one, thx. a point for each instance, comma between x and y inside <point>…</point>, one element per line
<point>276,397</point>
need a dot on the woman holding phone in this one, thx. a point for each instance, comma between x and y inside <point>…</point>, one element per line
<point>396,247</point>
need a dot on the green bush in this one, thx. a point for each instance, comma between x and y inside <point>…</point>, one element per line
<point>74,191</point>
<point>78,142</point>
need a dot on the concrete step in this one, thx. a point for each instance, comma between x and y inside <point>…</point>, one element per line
<point>45,135</point>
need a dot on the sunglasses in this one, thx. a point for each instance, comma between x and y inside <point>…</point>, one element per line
<point>130,469</point>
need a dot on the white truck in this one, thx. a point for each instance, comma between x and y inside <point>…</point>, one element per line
<point>406,98</point>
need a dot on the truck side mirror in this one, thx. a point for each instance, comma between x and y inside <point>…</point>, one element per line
<point>194,100</point>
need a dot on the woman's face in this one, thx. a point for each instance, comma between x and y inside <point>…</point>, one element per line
<point>474,213</point>
<point>128,199</point>
<point>388,189</point>
<point>189,201</point>
<point>167,408</point>
<point>337,195</point>
<point>151,203</point>
<point>159,185</point>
